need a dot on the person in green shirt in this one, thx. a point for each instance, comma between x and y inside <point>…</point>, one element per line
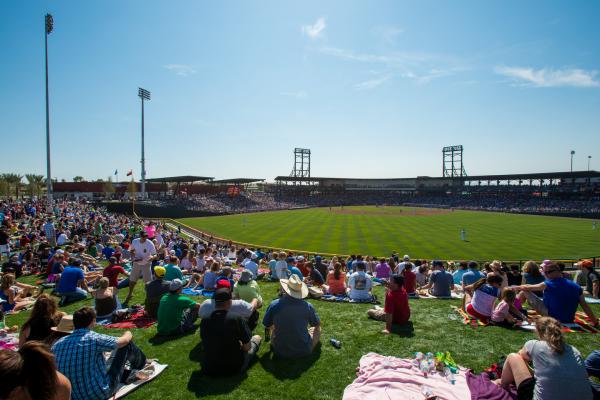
<point>176,313</point>
<point>247,289</point>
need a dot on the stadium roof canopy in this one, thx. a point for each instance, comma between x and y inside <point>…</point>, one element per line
<point>534,176</point>
<point>180,179</point>
<point>238,180</point>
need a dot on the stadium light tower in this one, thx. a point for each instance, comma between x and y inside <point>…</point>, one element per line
<point>589,159</point>
<point>572,154</point>
<point>48,27</point>
<point>144,95</point>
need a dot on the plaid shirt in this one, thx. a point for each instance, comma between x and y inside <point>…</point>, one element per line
<point>80,358</point>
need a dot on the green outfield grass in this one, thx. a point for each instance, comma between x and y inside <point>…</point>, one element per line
<point>414,231</point>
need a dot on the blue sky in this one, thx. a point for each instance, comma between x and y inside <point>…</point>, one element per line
<point>373,88</point>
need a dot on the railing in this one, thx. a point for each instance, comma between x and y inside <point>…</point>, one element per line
<point>569,263</point>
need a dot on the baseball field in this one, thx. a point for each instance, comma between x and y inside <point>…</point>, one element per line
<point>419,232</point>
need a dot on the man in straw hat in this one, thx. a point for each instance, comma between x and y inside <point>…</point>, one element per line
<point>289,319</point>
<point>80,357</point>
<point>222,334</point>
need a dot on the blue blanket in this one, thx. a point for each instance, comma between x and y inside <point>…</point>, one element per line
<point>192,292</point>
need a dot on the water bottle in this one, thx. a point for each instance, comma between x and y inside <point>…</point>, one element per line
<point>424,367</point>
<point>449,375</point>
<point>335,343</point>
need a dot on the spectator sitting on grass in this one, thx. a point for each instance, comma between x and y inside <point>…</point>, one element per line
<point>30,373</point>
<point>592,278</point>
<point>336,281</point>
<point>72,285</point>
<point>80,357</point>
<point>8,292</point>
<point>314,277</point>
<point>226,338</point>
<point>43,317</point>
<point>441,282</point>
<point>561,297</point>
<point>246,310</point>
<point>396,311</point>
<point>360,284</point>
<point>458,274</point>
<point>383,270</point>
<point>209,279</point>
<point>105,302</point>
<point>176,313</point>
<point>558,370</point>
<point>247,289</point>
<point>410,280</point>
<point>472,275</point>
<point>155,291</point>
<point>291,264</point>
<point>289,317</point>
<point>481,296</point>
<point>172,270</point>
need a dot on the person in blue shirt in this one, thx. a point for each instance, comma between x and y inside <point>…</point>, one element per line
<point>72,285</point>
<point>472,274</point>
<point>561,297</point>
<point>458,274</point>
<point>289,318</point>
<point>291,262</point>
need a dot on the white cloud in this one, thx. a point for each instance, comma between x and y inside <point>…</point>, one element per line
<point>314,31</point>
<point>372,83</point>
<point>181,69</point>
<point>301,94</point>
<point>546,77</point>
<point>387,34</point>
<point>421,68</point>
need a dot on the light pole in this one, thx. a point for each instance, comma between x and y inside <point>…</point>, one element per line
<point>589,159</point>
<point>572,154</point>
<point>49,25</point>
<point>144,95</point>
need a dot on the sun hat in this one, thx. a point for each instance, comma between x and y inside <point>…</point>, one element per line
<point>406,258</point>
<point>246,276</point>
<point>172,252</point>
<point>175,285</point>
<point>222,295</point>
<point>294,287</point>
<point>159,271</point>
<point>65,325</point>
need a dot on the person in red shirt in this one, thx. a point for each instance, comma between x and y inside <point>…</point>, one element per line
<point>112,272</point>
<point>396,311</point>
<point>410,280</point>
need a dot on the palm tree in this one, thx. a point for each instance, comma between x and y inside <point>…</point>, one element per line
<point>4,186</point>
<point>35,183</point>
<point>13,179</point>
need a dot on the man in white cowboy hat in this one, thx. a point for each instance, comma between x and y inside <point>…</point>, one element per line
<point>289,319</point>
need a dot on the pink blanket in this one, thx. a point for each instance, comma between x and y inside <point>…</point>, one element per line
<point>387,378</point>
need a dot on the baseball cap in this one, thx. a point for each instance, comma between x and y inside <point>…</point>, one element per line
<point>290,259</point>
<point>300,258</point>
<point>222,295</point>
<point>159,271</point>
<point>318,258</point>
<point>223,283</point>
<point>246,276</point>
<point>437,263</point>
<point>473,264</point>
<point>175,285</point>
<point>406,257</point>
<point>586,263</point>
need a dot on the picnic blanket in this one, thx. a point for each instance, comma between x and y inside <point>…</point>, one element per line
<point>453,295</point>
<point>192,292</point>
<point>483,389</point>
<point>382,377</point>
<point>581,324</point>
<point>137,320</point>
<point>346,299</point>
<point>124,389</point>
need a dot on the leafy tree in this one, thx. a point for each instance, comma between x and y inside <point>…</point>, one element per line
<point>78,179</point>
<point>108,187</point>
<point>13,180</point>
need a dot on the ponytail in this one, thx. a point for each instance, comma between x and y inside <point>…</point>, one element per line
<point>478,284</point>
<point>550,331</point>
<point>38,370</point>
